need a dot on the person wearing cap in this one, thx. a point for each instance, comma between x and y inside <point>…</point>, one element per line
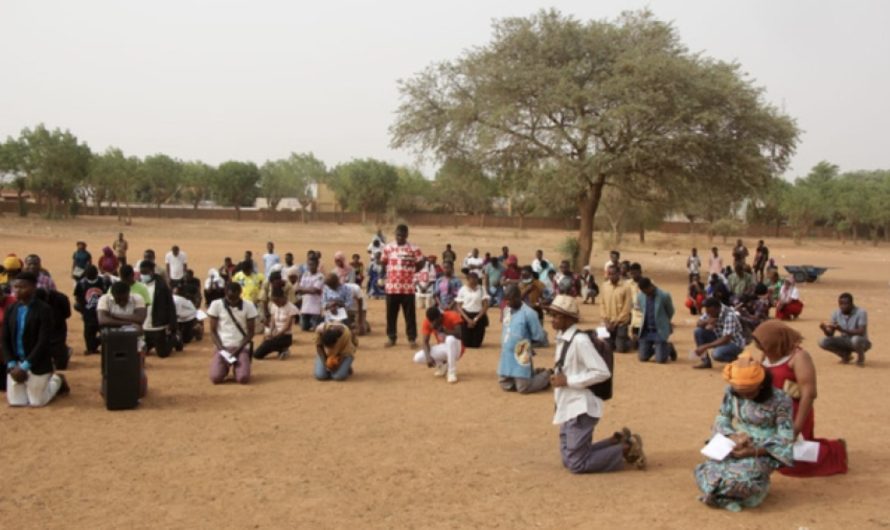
<point>270,258</point>
<point>657,309</point>
<point>615,310</point>
<point>27,328</point>
<point>446,326</point>
<point>521,331</point>
<point>578,409</point>
<point>12,266</point>
<point>759,420</point>
<point>720,331</point>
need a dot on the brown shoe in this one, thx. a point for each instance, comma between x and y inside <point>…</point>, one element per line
<point>635,454</point>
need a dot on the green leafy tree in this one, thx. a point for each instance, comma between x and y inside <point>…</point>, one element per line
<point>237,185</point>
<point>291,177</point>
<point>462,187</point>
<point>197,181</point>
<point>55,164</point>
<point>161,178</point>
<point>413,192</point>
<point>366,185</point>
<point>12,161</point>
<point>602,103</point>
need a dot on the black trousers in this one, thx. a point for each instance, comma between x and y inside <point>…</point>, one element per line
<point>275,344</point>
<point>91,338</point>
<point>406,302</point>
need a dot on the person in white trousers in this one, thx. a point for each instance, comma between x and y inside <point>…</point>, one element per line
<point>445,325</point>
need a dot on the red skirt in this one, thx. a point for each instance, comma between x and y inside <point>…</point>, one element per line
<point>832,454</point>
<point>791,309</point>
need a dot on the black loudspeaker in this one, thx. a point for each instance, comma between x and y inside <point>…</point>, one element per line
<point>120,368</point>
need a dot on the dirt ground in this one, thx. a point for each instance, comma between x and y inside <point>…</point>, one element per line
<point>395,447</point>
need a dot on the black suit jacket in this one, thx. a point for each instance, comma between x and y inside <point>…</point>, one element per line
<point>38,331</point>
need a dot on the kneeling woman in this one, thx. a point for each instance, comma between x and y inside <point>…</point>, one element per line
<point>472,303</point>
<point>758,418</point>
<point>792,370</point>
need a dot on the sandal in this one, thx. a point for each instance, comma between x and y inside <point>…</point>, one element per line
<point>635,453</point>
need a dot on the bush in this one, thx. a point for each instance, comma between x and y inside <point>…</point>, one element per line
<point>570,250</point>
<point>725,228</point>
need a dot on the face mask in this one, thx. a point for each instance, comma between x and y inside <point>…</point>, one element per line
<point>146,278</point>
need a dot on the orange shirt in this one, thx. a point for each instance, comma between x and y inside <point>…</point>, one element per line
<point>450,321</point>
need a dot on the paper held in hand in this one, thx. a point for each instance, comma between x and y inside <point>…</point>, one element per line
<point>602,333</point>
<point>718,448</point>
<point>805,450</point>
<point>231,359</point>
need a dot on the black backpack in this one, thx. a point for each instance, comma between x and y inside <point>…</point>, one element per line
<point>602,390</point>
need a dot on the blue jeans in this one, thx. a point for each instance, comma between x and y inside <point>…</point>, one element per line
<point>725,354</point>
<point>340,374</point>
<point>651,345</point>
<point>496,293</point>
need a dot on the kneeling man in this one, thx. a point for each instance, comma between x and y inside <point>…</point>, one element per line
<point>444,355</point>
<point>521,331</point>
<point>27,327</point>
<point>335,347</point>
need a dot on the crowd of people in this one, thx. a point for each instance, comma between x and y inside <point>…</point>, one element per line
<point>767,408</point>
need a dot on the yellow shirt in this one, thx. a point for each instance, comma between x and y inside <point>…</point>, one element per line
<point>346,344</point>
<point>615,302</point>
<point>636,314</point>
<point>251,285</point>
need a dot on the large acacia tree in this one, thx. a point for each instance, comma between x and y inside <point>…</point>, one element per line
<point>593,104</point>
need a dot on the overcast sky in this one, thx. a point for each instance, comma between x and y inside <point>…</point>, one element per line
<point>256,80</point>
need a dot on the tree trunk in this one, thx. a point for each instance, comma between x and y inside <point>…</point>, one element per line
<point>237,213</point>
<point>642,234</point>
<point>587,205</point>
<point>303,214</point>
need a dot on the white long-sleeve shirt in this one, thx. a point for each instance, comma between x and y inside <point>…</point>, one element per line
<point>582,367</point>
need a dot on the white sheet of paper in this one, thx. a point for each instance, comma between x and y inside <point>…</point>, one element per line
<point>718,448</point>
<point>231,359</point>
<point>806,451</point>
<point>200,315</point>
<point>602,332</point>
<point>336,316</point>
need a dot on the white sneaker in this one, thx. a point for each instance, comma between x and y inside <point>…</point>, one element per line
<point>441,369</point>
<point>452,377</point>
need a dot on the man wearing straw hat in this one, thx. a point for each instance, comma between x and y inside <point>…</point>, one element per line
<point>578,409</point>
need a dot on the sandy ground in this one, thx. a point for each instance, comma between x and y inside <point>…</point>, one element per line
<point>395,447</point>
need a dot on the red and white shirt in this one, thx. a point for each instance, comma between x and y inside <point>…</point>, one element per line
<point>400,267</point>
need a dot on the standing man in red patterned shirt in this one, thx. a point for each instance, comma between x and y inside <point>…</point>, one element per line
<point>401,260</point>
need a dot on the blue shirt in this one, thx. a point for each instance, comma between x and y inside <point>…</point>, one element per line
<point>519,326</point>
<point>21,319</point>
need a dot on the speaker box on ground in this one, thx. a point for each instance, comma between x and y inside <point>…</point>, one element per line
<point>120,368</point>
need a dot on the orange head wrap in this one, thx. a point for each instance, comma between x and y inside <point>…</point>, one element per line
<point>744,373</point>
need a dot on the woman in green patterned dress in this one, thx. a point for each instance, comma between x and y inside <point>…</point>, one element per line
<point>759,419</point>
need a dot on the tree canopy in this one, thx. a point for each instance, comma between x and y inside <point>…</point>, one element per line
<point>605,104</point>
